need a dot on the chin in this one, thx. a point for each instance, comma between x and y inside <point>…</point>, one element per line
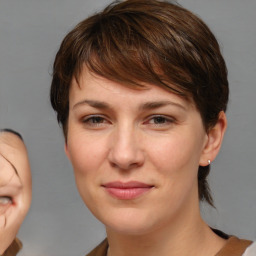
<point>128,221</point>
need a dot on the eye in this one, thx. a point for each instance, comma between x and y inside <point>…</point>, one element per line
<point>160,120</point>
<point>4,200</point>
<point>96,121</point>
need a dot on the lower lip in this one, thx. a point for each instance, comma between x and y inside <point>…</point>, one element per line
<point>127,193</point>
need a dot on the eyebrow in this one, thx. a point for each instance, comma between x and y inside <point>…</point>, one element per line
<point>144,106</point>
<point>159,104</point>
<point>92,103</point>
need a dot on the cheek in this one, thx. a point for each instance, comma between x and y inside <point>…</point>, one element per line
<point>10,222</point>
<point>9,232</point>
<point>26,180</point>
<point>176,160</point>
<point>175,153</point>
<point>86,154</point>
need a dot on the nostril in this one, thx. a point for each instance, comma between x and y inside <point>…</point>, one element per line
<point>125,165</point>
<point>125,152</point>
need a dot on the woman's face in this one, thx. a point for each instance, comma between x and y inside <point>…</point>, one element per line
<point>135,153</point>
<point>15,187</point>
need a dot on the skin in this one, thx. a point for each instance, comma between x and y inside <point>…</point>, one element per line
<point>152,136</point>
<point>15,187</point>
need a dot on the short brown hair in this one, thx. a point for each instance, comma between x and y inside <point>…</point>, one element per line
<point>146,41</point>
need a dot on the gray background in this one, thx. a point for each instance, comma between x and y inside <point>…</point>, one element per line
<point>58,222</point>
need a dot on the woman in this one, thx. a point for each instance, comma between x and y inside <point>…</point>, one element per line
<point>141,90</point>
<point>15,190</point>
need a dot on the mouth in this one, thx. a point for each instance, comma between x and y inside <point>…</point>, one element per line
<point>127,190</point>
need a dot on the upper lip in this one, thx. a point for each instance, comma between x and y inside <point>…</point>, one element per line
<point>126,185</point>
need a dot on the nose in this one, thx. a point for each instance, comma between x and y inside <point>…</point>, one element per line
<point>126,149</point>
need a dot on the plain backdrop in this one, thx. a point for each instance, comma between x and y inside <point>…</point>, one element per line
<point>58,223</point>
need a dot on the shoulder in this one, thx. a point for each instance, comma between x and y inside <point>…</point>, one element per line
<point>100,250</point>
<point>251,250</point>
<point>234,247</point>
<point>14,248</point>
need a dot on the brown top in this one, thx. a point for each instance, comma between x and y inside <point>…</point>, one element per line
<point>100,250</point>
<point>14,248</point>
<point>233,247</point>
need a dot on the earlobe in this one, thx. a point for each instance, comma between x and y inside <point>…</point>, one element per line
<point>214,140</point>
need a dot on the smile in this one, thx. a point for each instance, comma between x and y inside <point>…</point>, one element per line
<point>127,190</point>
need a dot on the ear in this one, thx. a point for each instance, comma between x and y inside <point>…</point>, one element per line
<point>214,140</point>
<point>66,150</point>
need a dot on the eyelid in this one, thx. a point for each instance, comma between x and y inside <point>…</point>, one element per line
<point>168,118</point>
<point>168,123</point>
<point>88,117</point>
<point>88,123</point>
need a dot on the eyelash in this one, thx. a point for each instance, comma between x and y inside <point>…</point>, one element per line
<point>162,120</point>
<point>94,120</point>
<point>97,121</point>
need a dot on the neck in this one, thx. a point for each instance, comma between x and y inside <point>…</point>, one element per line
<point>187,234</point>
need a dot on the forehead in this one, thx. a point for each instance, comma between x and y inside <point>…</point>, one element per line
<point>11,146</point>
<point>14,151</point>
<point>90,84</point>
<point>7,171</point>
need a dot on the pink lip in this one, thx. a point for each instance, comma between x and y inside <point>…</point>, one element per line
<point>127,190</point>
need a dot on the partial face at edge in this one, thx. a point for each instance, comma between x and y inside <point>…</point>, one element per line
<point>15,187</point>
<point>135,153</point>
